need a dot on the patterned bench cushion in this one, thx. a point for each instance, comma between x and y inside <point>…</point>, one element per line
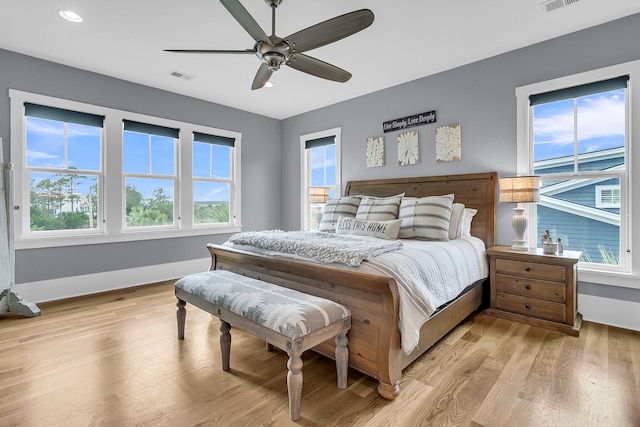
<point>291,313</point>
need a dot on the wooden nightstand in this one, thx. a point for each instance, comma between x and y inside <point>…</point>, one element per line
<point>535,288</point>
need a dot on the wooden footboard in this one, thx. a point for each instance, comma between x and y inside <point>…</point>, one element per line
<point>374,338</point>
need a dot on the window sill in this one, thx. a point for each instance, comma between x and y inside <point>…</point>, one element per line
<point>623,280</point>
<point>94,239</point>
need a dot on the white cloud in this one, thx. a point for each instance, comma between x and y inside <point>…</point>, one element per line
<point>597,118</point>
<point>40,158</point>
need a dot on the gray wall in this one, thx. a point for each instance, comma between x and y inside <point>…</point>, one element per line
<point>261,163</point>
<point>480,96</point>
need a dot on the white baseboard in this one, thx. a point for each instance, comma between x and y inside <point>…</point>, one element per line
<point>67,287</point>
<point>608,311</point>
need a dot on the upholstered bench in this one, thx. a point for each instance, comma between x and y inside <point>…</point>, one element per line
<point>288,319</point>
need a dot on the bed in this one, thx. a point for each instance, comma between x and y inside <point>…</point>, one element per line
<point>373,298</point>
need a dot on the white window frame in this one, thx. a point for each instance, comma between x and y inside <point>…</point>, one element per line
<point>234,201</point>
<point>99,181</point>
<point>151,175</point>
<point>113,185</point>
<point>305,179</point>
<point>628,273</point>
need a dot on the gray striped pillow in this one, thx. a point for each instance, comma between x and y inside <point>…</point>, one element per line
<point>426,217</point>
<point>379,208</point>
<point>335,208</point>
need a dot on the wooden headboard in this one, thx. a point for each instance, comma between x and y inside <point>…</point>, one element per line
<point>477,191</point>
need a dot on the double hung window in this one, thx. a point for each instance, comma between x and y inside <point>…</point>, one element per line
<point>63,168</point>
<point>150,174</point>
<point>212,178</point>
<point>321,174</point>
<point>89,174</point>
<point>575,134</point>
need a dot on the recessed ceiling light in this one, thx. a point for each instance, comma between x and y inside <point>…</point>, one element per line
<point>268,84</point>
<point>70,15</point>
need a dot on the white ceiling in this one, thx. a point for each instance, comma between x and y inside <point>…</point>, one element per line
<point>409,39</point>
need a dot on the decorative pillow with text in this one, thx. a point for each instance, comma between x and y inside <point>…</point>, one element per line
<point>361,227</point>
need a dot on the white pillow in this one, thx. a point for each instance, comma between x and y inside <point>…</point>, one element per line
<point>335,208</point>
<point>361,227</point>
<point>457,220</point>
<point>468,217</point>
<point>379,208</point>
<point>426,217</point>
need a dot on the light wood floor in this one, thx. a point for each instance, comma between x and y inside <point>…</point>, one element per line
<point>114,359</point>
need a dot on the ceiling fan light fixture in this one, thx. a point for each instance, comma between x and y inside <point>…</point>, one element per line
<point>70,16</point>
<point>273,60</point>
<point>268,84</point>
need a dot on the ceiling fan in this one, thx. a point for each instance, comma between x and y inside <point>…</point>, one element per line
<point>274,51</point>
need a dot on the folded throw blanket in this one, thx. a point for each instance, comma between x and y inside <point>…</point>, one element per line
<point>319,246</point>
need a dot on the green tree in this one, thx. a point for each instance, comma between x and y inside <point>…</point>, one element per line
<point>69,183</point>
<point>133,198</point>
<point>51,193</point>
<point>73,220</point>
<point>211,214</point>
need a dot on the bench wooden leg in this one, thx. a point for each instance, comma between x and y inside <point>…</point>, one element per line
<point>181,315</point>
<point>225,344</point>
<point>294,384</point>
<point>342,359</point>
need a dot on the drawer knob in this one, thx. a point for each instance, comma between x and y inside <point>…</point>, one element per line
<point>527,286</point>
<point>527,306</point>
<point>527,268</point>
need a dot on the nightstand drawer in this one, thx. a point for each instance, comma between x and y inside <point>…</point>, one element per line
<point>533,288</point>
<point>531,269</point>
<point>531,307</point>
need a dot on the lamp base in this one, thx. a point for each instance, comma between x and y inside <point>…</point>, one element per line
<point>519,246</point>
<point>519,222</point>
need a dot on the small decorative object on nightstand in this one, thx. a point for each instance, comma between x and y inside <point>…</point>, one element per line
<point>535,288</point>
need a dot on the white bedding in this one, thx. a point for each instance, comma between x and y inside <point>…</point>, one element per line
<point>428,274</point>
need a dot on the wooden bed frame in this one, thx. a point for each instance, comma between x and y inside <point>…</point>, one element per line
<point>374,339</point>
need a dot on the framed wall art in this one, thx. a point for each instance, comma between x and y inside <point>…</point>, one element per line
<point>408,149</point>
<point>375,151</point>
<point>448,143</point>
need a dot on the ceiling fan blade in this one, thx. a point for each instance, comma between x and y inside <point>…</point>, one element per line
<point>209,51</point>
<point>262,77</point>
<point>330,31</point>
<point>318,68</point>
<point>237,10</point>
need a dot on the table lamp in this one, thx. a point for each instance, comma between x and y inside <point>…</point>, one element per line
<point>519,189</point>
<point>318,195</point>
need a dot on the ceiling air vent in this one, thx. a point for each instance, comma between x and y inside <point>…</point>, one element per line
<point>551,5</point>
<point>181,75</point>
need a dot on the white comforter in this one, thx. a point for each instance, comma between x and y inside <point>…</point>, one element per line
<point>428,274</point>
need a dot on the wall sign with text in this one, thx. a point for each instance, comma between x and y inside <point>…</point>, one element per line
<point>410,121</point>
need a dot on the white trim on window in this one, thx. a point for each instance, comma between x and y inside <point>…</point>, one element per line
<point>113,198</point>
<point>305,213</point>
<point>629,271</point>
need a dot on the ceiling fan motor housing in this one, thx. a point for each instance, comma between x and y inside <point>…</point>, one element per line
<point>273,54</point>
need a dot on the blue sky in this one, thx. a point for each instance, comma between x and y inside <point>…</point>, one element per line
<point>601,125</point>
<point>323,167</point>
<point>141,155</point>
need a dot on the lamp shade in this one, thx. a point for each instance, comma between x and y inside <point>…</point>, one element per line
<point>520,189</point>
<point>318,194</point>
